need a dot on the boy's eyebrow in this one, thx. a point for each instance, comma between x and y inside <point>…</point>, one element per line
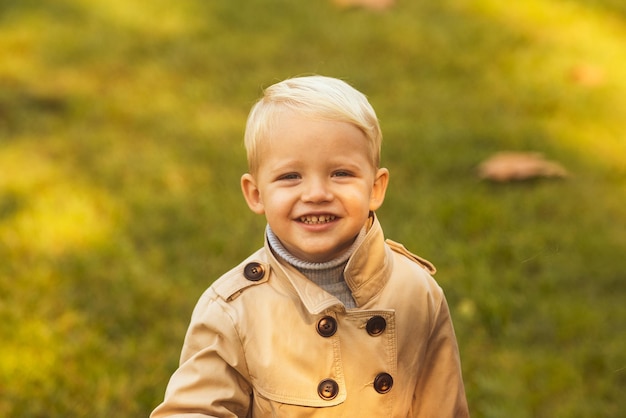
<point>344,162</point>
<point>282,168</point>
<point>333,164</point>
<point>285,165</point>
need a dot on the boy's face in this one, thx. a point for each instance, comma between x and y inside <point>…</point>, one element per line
<point>315,184</point>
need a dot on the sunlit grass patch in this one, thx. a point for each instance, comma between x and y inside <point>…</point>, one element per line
<point>53,211</point>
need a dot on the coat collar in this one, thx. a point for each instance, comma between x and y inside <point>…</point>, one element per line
<point>366,273</point>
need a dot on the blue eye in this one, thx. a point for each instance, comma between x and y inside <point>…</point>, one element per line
<point>341,174</point>
<point>289,176</point>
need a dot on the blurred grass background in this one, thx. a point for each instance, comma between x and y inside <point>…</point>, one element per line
<point>121,129</point>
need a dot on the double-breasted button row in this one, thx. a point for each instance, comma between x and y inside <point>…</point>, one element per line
<point>327,326</point>
<point>254,271</point>
<point>328,388</point>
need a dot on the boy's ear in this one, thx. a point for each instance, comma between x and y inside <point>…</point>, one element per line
<point>252,194</point>
<point>379,189</point>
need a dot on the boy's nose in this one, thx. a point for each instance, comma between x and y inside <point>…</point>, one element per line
<point>316,191</point>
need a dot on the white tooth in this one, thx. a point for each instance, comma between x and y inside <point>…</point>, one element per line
<point>314,219</point>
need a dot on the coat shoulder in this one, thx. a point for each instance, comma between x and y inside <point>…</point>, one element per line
<point>251,272</point>
<point>401,249</point>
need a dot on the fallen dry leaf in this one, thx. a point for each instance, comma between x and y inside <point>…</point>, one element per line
<point>368,4</point>
<point>510,166</point>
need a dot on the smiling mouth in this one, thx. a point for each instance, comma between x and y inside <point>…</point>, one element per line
<point>316,220</point>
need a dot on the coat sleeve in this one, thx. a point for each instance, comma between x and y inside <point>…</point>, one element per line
<point>211,380</point>
<point>440,390</point>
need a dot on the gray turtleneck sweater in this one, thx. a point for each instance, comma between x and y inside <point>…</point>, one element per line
<point>328,275</point>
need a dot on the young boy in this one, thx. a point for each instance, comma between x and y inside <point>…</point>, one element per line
<point>328,319</point>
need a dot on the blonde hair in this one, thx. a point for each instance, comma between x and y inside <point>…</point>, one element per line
<point>316,97</point>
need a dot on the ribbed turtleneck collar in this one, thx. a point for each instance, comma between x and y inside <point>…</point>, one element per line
<point>327,275</point>
<point>303,265</point>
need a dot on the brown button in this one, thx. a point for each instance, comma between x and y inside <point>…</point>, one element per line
<point>383,383</point>
<point>254,271</point>
<point>328,389</point>
<point>327,326</point>
<point>376,325</point>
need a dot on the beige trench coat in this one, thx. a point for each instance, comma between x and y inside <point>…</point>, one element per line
<point>264,341</point>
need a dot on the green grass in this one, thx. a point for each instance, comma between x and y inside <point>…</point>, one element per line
<point>121,129</point>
